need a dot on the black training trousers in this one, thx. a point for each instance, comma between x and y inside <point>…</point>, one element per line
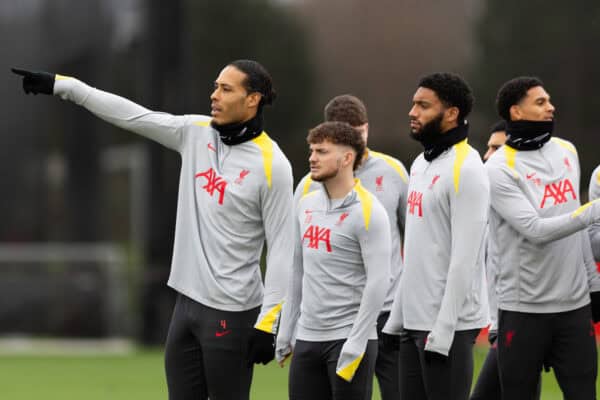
<point>437,379</point>
<point>386,366</point>
<point>206,352</point>
<point>313,377</point>
<point>564,341</point>
<point>487,386</point>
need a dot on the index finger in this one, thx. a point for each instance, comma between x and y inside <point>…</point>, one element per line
<point>21,72</point>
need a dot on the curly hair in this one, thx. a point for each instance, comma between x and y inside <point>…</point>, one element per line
<point>340,133</point>
<point>346,108</point>
<point>257,79</point>
<point>512,92</point>
<point>452,90</point>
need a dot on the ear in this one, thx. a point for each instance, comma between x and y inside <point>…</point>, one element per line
<point>348,158</point>
<point>253,99</point>
<point>451,114</point>
<point>515,112</point>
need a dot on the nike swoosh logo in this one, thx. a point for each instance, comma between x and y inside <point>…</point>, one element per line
<point>222,333</point>
<point>210,147</point>
<point>529,176</point>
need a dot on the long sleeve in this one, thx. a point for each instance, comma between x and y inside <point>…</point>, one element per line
<point>594,230</point>
<point>508,200</point>
<point>291,307</point>
<point>375,243</point>
<point>395,322</point>
<point>163,128</point>
<point>469,206</point>
<point>277,212</point>
<point>590,265</point>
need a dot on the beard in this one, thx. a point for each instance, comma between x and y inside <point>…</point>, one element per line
<point>430,131</point>
<point>325,176</point>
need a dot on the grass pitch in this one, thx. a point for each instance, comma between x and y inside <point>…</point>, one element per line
<point>138,376</point>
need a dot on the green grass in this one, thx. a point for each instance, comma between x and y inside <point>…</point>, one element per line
<point>136,376</point>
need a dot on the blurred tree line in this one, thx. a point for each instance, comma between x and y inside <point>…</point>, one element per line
<point>60,185</point>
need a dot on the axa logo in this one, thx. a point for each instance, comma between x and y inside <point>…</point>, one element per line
<point>379,183</point>
<point>415,203</point>
<point>557,193</point>
<point>213,183</point>
<point>315,235</point>
<point>433,181</point>
<point>343,216</point>
<point>240,178</point>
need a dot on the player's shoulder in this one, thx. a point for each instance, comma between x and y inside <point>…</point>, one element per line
<point>370,207</point>
<point>564,145</point>
<point>389,164</point>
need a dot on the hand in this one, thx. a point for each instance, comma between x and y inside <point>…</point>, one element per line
<point>261,347</point>
<point>284,359</point>
<point>595,296</point>
<point>36,82</point>
<point>390,342</point>
<point>434,357</point>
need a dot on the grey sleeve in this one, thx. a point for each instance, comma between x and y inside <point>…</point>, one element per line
<point>510,203</point>
<point>590,264</point>
<point>375,244</point>
<point>401,210</point>
<point>469,208</point>
<point>277,210</point>
<point>163,128</point>
<point>594,230</point>
<point>291,307</point>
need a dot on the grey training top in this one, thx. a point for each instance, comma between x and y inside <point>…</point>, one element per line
<point>535,222</point>
<point>442,288</point>
<point>340,274</point>
<point>231,198</point>
<point>387,179</point>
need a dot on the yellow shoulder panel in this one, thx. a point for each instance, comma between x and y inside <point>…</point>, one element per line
<point>265,144</point>
<point>366,200</point>
<point>565,144</point>
<point>511,155</point>
<point>393,163</point>
<point>268,321</point>
<point>598,178</point>
<point>58,77</point>
<point>306,186</point>
<point>203,124</point>
<point>462,151</point>
<point>348,371</point>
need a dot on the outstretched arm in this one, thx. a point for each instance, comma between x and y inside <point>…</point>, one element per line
<point>163,128</point>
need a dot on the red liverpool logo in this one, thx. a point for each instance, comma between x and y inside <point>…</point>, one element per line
<point>240,178</point>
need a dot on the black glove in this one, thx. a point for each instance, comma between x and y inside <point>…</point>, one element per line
<point>595,306</point>
<point>36,82</point>
<point>261,347</point>
<point>433,357</point>
<point>390,342</point>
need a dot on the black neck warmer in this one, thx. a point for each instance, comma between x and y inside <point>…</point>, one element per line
<point>436,144</point>
<point>528,135</point>
<point>240,132</point>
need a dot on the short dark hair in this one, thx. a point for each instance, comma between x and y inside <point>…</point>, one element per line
<point>452,90</point>
<point>257,79</point>
<point>339,133</point>
<point>346,108</point>
<point>512,92</point>
<point>499,126</point>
